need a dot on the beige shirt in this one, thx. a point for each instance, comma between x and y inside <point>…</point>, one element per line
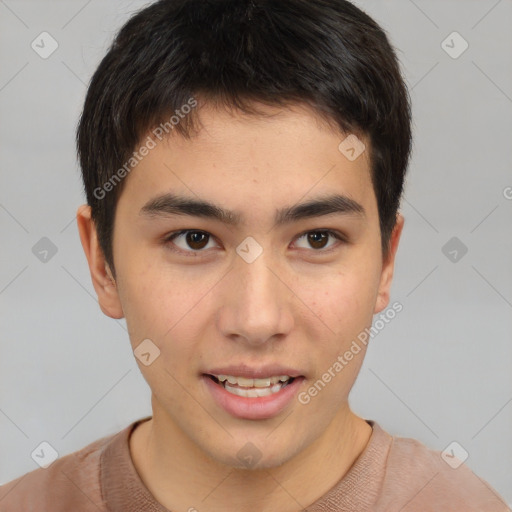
<point>392,474</point>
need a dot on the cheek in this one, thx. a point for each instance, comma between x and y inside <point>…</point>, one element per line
<point>344,301</point>
<point>148,303</point>
<point>165,308</point>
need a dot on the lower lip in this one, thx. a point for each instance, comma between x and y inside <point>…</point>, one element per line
<point>257,408</point>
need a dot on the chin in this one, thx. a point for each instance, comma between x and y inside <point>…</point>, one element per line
<point>254,455</point>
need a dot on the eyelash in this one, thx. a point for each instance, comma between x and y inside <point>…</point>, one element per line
<point>169,239</point>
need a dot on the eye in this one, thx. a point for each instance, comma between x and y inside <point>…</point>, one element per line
<point>194,241</point>
<point>317,239</point>
<point>190,239</point>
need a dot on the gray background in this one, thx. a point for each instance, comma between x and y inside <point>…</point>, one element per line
<point>439,372</point>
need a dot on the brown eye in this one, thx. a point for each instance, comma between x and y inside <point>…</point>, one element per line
<point>196,239</point>
<point>188,241</point>
<point>318,239</point>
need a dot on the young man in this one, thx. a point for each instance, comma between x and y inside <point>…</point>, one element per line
<point>243,163</point>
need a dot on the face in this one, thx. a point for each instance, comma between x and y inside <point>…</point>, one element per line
<point>257,287</point>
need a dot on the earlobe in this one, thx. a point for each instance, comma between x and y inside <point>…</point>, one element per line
<point>101,275</point>
<point>388,266</point>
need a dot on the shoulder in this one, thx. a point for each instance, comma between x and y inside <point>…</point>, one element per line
<point>422,479</point>
<point>71,482</point>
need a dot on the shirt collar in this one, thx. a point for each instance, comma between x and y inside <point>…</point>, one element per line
<point>124,491</point>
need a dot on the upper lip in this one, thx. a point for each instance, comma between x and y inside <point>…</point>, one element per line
<point>248,372</point>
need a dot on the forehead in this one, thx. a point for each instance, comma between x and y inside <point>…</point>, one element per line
<point>274,159</point>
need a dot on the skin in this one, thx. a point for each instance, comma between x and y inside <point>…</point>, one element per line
<point>294,305</point>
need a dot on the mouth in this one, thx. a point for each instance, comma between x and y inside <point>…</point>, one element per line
<point>252,388</point>
<point>253,394</point>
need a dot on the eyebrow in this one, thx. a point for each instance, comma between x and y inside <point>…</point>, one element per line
<point>172,204</point>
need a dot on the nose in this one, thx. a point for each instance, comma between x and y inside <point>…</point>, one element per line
<point>257,305</point>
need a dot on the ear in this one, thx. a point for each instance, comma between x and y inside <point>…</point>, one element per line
<point>101,275</point>
<point>388,266</point>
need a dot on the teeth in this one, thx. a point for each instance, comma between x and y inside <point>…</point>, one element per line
<point>242,381</point>
<point>266,382</point>
<point>254,392</point>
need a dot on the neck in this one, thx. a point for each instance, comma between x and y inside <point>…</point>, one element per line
<point>181,477</point>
